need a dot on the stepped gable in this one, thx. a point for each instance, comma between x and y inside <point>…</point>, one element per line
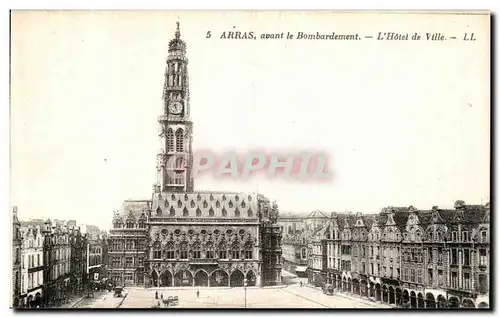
<point>208,204</point>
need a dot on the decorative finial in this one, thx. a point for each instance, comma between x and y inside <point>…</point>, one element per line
<point>178,31</point>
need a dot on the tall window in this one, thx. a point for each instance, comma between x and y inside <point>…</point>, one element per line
<point>466,257</point>
<point>115,261</point>
<point>223,254</point>
<point>130,225</point>
<point>454,257</point>
<point>156,254</point>
<point>179,140</point>
<point>129,245</point>
<point>170,252</point>
<point>179,163</point>
<point>467,281</point>
<point>465,236</point>
<point>129,262</point>
<point>235,254</point>
<point>141,261</point>
<point>197,254</point>
<point>454,279</point>
<point>170,140</point>
<point>483,261</point>
<point>184,255</point>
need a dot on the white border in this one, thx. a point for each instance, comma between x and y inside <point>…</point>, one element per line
<point>185,5</point>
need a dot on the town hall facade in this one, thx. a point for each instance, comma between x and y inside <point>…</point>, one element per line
<point>184,237</point>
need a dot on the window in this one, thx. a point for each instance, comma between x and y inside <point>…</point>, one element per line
<point>129,262</point>
<point>467,281</point>
<point>429,277</point>
<point>372,269</point>
<point>223,254</point>
<point>412,275</point>
<point>483,261</point>
<point>196,254</point>
<point>184,255</point>
<point>179,139</point>
<point>483,236</point>
<point>130,225</point>
<point>248,255</point>
<point>466,257</point>
<point>129,245</point>
<point>236,255</point>
<point>115,261</point>
<point>454,280</point>
<point>170,140</point>
<point>179,164</point>
<point>454,258</point>
<point>454,236</point>
<point>441,280</point>
<point>210,254</point>
<point>156,254</point>
<point>170,253</point>
<point>129,276</point>
<point>142,225</point>
<point>465,236</point>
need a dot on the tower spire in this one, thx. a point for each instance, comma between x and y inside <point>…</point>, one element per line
<point>178,31</point>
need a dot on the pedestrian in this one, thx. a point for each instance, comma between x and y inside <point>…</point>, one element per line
<point>161,296</point>
<point>198,294</point>
<point>300,284</point>
<point>156,295</point>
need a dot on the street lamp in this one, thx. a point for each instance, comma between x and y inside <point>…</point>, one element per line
<point>245,283</point>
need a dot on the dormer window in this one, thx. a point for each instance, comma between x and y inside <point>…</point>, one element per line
<point>192,204</point>
<point>198,212</point>
<point>130,225</point>
<point>205,204</point>
<point>172,211</point>
<point>211,197</point>
<point>217,204</point>
<point>198,198</point>
<point>211,212</point>
<point>237,212</point>
<point>224,212</point>
<point>185,212</point>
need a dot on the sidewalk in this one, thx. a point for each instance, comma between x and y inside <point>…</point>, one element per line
<point>355,298</point>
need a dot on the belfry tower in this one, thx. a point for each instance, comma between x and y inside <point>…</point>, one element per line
<point>175,160</point>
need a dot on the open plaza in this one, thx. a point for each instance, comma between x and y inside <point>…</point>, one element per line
<point>290,295</point>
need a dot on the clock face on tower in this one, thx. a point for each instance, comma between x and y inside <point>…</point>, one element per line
<point>175,108</point>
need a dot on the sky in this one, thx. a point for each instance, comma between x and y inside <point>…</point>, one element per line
<point>403,122</point>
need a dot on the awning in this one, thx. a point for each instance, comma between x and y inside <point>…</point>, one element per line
<point>301,268</point>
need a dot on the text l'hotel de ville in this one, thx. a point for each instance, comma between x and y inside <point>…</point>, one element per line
<point>332,35</point>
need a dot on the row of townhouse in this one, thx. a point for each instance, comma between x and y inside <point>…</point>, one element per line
<point>405,257</point>
<point>50,262</point>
